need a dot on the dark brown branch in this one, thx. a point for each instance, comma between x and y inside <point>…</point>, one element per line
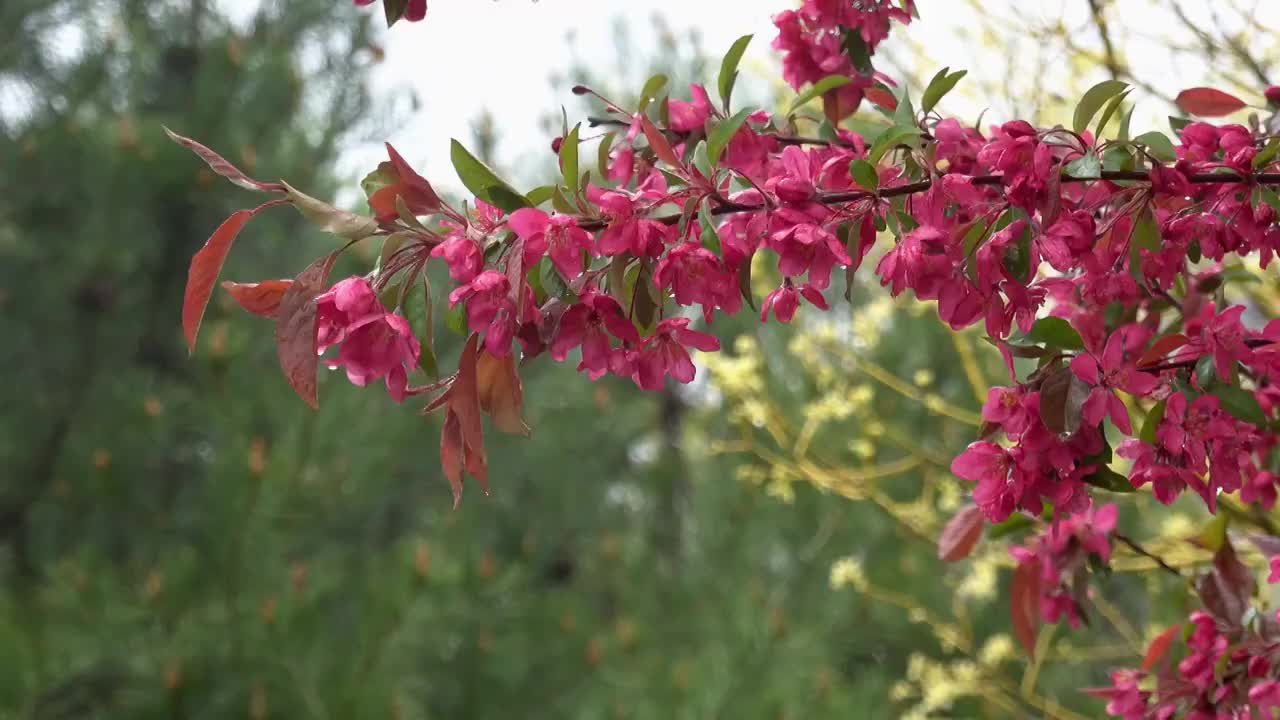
<point>1135,547</point>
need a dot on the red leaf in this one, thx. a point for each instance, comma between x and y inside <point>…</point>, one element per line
<point>451,454</point>
<point>881,97</point>
<point>1227,589</point>
<point>220,165</point>
<point>296,328</point>
<point>418,194</point>
<point>205,266</point>
<point>1162,347</point>
<point>659,143</point>
<point>1024,605</point>
<point>260,298</point>
<point>1159,647</point>
<point>961,534</point>
<point>1208,102</point>
<point>501,394</point>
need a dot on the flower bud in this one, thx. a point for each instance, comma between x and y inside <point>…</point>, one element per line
<point>1273,95</point>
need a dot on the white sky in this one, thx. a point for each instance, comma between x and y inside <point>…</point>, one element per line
<point>470,55</point>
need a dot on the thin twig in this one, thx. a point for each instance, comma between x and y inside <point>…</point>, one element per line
<point>1134,546</point>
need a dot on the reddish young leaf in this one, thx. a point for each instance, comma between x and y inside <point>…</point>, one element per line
<point>501,394</point>
<point>418,194</point>
<point>451,453</point>
<point>464,399</point>
<point>960,534</point>
<point>1207,102</point>
<point>221,166</point>
<point>296,328</point>
<point>259,298</point>
<point>659,143</point>
<point>1227,589</point>
<point>1159,647</point>
<point>882,97</point>
<point>1160,348</point>
<point>1024,605</point>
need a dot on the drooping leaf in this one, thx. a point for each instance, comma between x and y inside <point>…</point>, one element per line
<point>480,179</point>
<point>1159,647</point>
<point>221,166</point>
<point>1104,478</point>
<point>1108,111</point>
<point>419,310</point>
<point>1207,102</point>
<point>830,82</point>
<point>1227,589</point>
<point>744,284</point>
<point>939,86</point>
<point>1062,396</point>
<point>1015,524</point>
<point>260,298</point>
<point>1161,348</point>
<point>1267,154</point>
<point>710,237</point>
<point>729,69</point>
<point>296,328</point>
<point>501,394</point>
<point>722,133</point>
<point>344,224</point>
<point>1024,605</point>
<point>960,534</point>
<point>1093,100</point>
<point>1152,422</point>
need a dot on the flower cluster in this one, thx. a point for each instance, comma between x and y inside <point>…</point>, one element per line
<point>1060,557</point>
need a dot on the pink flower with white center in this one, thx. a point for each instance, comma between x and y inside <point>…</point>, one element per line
<point>375,343</point>
<point>489,310</point>
<point>558,235</point>
<point>696,276</point>
<point>462,255</point>
<point>664,353</point>
<point>585,324</point>
<point>686,116</point>
<point>625,232</point>
<point>1107,373</point>
<point>785,300</point>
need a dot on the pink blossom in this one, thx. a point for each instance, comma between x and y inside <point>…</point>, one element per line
<point>490,310</point>
<point>414,10</point>
<point>462,255</point>
<point>1107,373</point>
<point>585,324</point>
<point>558,234</point>
<point>696,276</point>
<point>785,300</point>
<point>664,353</point>
<point>686,116</point>
<point>375,343</point>
<point>625,231</point>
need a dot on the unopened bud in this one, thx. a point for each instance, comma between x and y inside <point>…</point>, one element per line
<point>581,90</point>
<point>555,145</point>
<point>1273,95</point>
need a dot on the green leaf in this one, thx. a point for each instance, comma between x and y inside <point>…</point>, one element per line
<point>1152,421</point>
<point>380,177</point>
<point>650,91</point>
<point>890,139</point>
<point>1107,479</point>
<point>1205,371</point>
<point>1177,123</point>
<point>723,132</point>
<point>456,319</point>
<point>744,284</point>
<point>858,52</point>
<point>551,280</point>
<point>864,173</point>
<point>540,194</point>
<point>569,160</point>
<point>1093,99</point>
<point>1241,403</point>
<point>330,219</point>
<point>561,203</point>
<point>602,154</point>
<point>1017,523</point>
<point>939,86</point>
<point>1085,166</point>
<point>1124,123</point>
<point>828,83</point>
<point>710,238</point>
<point>1107,112</point>
<point>1214,534</point>
<point>481,180</point>
<point>393,10</point>
<point>418,310</point>
<point>904,115</point>
<point>1057,332</point>
<point>1159,145</point>
<point>1270,197</point>
<point>1268,153</point>
<point>729,68</point>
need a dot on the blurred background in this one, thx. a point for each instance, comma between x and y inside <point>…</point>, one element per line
<point>181,538</point>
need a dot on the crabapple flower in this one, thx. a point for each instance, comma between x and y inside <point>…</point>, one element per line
<point>489,310</point>
<point>665,353</point>
<point>588,325</point>
<point>785,300</point>
<point>557,235</point>
<point>375,344</point>
<point>1108,372</point>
